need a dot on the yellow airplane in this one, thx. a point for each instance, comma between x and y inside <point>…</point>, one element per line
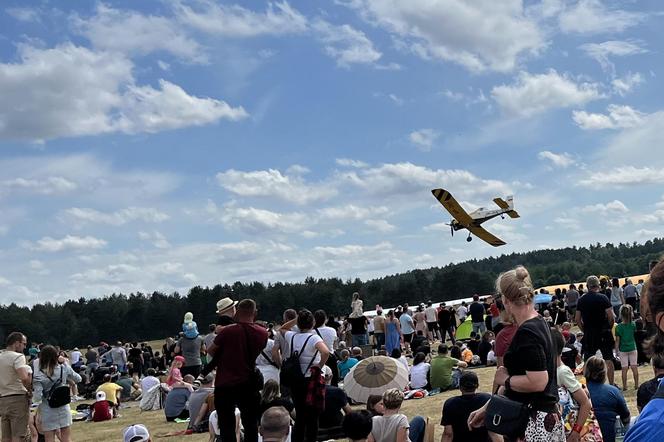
<point>473,220</point>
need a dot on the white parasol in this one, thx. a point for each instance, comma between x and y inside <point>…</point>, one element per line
<point>374,375</point>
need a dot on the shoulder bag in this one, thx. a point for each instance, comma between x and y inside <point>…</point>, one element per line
<point>59,394</point>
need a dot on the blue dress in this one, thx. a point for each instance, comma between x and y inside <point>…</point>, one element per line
<point>392,338</point>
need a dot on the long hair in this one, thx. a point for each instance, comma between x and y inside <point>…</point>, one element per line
<point>270,392</point>
<point>48,359</point>
<point>626,314</point>
<point>654,291</point>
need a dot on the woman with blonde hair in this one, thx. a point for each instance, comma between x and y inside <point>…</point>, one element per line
<point>50,375</point>
<point>626,345</point>
<point>529,372</point>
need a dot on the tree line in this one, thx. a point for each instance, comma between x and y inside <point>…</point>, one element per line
<point>149,316</point>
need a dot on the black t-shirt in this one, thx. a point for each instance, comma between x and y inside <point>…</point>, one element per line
<point>280,402</point>
<point>474,345</point>
<point>477,312</point>
<point>532,349</point>
<point>135,354</point>
<point>593,311</point>
<point>417,342</point>
<point>646,391</point>
<point>444,319</point>
<point>483,350</point>
<point>358,326</point>
<point>455,413</point>
<point>335,401</point>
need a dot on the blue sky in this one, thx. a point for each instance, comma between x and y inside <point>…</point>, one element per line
<point>158,145</point>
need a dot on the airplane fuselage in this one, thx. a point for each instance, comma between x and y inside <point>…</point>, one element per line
<point>479,216</point>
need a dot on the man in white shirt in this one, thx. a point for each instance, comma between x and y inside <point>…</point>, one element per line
<point>462,312</point>
<point>431,318</point>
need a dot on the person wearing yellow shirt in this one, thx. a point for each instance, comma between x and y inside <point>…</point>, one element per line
<point>113,392</point>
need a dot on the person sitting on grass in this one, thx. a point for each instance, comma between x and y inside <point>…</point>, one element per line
<point>112,392</point>
<point>607,400</point>
<point>442,374</point>
<point>419,373</point>
<point>396,354</point>
<point>357,425</point>
<point>356,353</point>
<point>648,389</point>
<point>275,425</point>
<point>174,374</point>
<point>336,407</point>
<point>100,410</point>
<point>457,409</point>
<point>136,433</point>
<point>176,405</point>
<point>346,363</point>
<point>393,426</point>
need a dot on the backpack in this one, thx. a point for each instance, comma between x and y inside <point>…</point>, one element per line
<point>291,370</point>
<point>59,394</point>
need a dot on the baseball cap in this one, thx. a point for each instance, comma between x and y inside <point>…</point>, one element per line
<point>136,433</point>
<point>101,396</point>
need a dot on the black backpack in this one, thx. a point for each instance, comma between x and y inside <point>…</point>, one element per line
<point>59,393</point>
<point>291,370</point>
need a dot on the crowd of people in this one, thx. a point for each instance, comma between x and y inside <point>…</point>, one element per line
<point>246,379</point>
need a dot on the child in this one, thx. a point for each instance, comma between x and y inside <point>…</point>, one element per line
<point>101,410</point>
<point>393,426</point>
<point>357,306</point>
<point>565,330</point>
<point>626,345</point>
<point>189,326</point>
<point>548,318</point>
<point>174,375</point>
<point>357,425</point>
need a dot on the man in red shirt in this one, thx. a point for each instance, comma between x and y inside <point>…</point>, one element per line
<point>235,349</point>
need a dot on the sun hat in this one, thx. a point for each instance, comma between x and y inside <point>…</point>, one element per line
<point>136,433</point>
<point>101,396</point>
<point>225,304</point>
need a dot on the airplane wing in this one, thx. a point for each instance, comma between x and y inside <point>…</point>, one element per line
<point>482,234</point>
<point>452,206</point>
<point>512,214</point>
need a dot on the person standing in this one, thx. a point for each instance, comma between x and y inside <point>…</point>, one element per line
<point>445,319</point>
<point>329,336</point>
<point>462,312</point>
<point>191,349</point>
<point>477,311</point>
<point>594,316</point>
<point>630,294</point>
<point>235,350</point>
<point>626,345</point>
<point>407,329</point>
<point>358,330</point>
<point>617,296</point>
<point>119,357</point>
<point>379,329</point>
<point>15,389</point>
<point>392,333</point>
<point>51,374</point>
<point>571,299</point>
<point>431,316</point>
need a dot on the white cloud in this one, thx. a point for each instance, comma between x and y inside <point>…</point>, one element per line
<point>624,85</point>
<point>593,17</point>
<point>408,179</point>
<point>398,101</point>
<point>96,94</point>
<point>532,94</point>
<point>257,221</point>
<point>156,238</point>
<point>647,233</point>
<point>47,186</point>
<point>118,218</point>
<point>479,35</point>
<point>347,162</point>
<point>272,183</point>
<point>602,52</point>
<point>423,139</point>
<point>639,145</point>
<point>130,32</point>
<point>624,176</point>
<point>345,44</point>
<point>617,118</point>
<point>4,281</point>
<point>611,207</point>
<point>237,21</point>
<point>69,242</point>
<point>351,212</point>
<point>380,225</point>
<point>567,222</point>
<point>26,15</point>
<point>558,160</point>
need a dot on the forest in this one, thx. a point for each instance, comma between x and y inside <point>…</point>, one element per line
<point>148,316</point>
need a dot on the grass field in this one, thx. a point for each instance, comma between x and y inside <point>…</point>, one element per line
<point>160,429</point>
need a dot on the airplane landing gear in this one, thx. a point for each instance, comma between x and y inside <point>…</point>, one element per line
<point>469,239</point>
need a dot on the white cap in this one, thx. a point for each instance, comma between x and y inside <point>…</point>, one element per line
<point>136,433</point>
<point>101,396</point>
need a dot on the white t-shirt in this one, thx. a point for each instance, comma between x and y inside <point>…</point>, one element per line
<point>431,314</point>
<point>329,336</point>
<point>148,382</point>
<point>74,357</point>
<point>418,375</point>
<point>491,357</point>
<point>462,312</point>
<point>307,353</point>
<point>260,360</point>
<point>214,421</point>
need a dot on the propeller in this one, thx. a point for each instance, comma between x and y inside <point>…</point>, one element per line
<point>451,224</point>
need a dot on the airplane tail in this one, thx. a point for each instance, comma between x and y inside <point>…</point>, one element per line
<point>507,205</point>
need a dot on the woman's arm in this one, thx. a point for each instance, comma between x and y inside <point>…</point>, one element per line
<point>286,326</point>
<point>324,352</point>
<point>531,382</point>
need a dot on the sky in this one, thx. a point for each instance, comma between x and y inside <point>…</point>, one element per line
<point>159,145</point>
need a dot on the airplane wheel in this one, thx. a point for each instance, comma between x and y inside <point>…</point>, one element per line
<point>469,239</point>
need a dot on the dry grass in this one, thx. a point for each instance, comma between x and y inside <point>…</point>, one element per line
<point>160,429</point>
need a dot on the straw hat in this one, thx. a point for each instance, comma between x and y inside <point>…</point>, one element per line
<point>225,304</point>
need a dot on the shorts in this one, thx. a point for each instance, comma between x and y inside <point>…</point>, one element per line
<point>602,341</point>
<point>408,337</point>
<point>15,413</point>
<point>628,358</point>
